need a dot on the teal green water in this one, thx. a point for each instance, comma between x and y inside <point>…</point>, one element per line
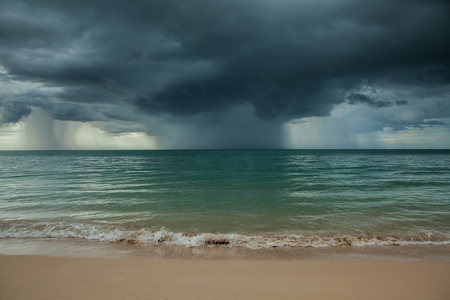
<point>133,194</point>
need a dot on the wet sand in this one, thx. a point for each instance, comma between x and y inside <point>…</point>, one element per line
<point>80,269</point>
<point>44,277</point>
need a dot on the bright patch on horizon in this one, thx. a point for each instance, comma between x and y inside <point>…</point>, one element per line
<point>40,132</point>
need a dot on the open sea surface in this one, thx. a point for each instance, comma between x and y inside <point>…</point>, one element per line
<point>247,198</point>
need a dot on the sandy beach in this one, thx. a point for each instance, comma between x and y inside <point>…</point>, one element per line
<point>46,277</point>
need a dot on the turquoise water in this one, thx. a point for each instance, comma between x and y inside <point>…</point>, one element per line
<point>256,198</point>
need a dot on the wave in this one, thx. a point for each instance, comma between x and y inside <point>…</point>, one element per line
<point>145,236</point>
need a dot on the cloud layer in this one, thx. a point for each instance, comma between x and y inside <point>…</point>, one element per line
<point>228,69</point>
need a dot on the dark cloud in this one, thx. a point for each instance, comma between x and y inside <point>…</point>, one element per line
<point>356,98</point>
<point>401,102</point>
<point>364,99</point>
<point>287,59</point>
<point>434,123</point>
<point>13,112</point>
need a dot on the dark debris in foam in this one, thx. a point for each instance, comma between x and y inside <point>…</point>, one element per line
<point>217,241</point>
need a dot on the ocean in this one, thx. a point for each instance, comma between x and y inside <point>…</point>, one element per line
<point>228,198</point>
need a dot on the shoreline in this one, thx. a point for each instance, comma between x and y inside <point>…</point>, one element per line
<point>77,269</point>
<point>74,247</point>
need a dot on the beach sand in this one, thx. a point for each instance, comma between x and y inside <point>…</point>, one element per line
<point>46,277</point>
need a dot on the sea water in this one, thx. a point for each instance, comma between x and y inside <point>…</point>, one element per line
<point>248,198</point>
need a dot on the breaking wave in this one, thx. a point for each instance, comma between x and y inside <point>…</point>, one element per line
<point>145,236</point>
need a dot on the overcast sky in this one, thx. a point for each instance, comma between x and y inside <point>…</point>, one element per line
<point>224,74</point>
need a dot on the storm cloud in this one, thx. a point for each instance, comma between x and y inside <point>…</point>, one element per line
<point>13,112</point>
<point>226,68</point>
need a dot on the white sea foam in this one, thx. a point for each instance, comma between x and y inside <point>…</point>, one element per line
<point>163,236</point>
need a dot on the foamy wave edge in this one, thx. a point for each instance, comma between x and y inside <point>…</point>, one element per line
<point>163,236</point>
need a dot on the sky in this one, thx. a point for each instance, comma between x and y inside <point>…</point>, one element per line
<point>222,74</point>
